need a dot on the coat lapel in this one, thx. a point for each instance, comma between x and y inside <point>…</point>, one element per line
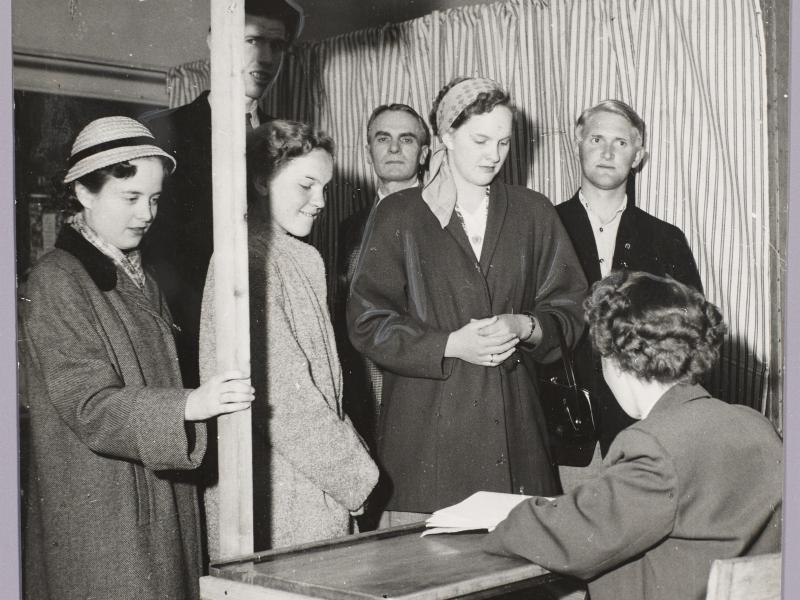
<point>582,238</point>
<point>498,205</point>
<point>456,231</point>
<point>106,275</point>
<point>99,267</point>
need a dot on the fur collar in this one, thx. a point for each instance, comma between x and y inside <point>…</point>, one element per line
<point>100,268</point>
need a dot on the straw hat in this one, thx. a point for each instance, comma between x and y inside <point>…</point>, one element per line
<point>108,141</point>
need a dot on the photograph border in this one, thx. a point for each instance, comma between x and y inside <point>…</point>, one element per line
<point>9,417</point>
<point>9,470</point>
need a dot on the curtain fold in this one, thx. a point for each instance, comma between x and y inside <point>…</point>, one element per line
<point>695,71</point>
<point>186,81</point>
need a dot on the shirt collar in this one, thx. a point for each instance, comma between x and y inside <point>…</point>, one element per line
<point>381,195</point>
<point>621,208</point>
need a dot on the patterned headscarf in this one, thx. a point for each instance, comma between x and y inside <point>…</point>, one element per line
<point>439,190</point>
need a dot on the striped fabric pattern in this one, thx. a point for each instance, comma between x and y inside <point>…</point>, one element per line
<point>695,71</point>
<point>186,81</point>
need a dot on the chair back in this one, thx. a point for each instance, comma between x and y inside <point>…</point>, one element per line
<point>745,578</point>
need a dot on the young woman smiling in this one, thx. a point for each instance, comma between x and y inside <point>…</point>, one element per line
<point>315,470</point>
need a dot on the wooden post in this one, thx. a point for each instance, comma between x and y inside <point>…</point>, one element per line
<point>231,297</point>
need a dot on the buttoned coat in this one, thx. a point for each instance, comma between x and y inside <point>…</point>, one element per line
<point>644,243</point>
<point>310,466</point>
<point>694,481</point>
<point>448,427</point>
<point>111,511</point>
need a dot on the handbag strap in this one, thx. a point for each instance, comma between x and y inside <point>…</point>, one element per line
<point>565,358</point>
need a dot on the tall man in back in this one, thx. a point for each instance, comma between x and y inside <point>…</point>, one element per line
<point>179,245</point>
<point>610,233</point>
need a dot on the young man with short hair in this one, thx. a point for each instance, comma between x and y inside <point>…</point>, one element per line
<point>610,233</point>
<point>180,243</point>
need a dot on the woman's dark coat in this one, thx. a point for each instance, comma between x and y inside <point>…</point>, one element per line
<point>108,514</point>
<point>447,427</point>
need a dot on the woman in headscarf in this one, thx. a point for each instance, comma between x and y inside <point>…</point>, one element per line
<point>110,509</point>
<point>313,468</point>
<point>456,295</point>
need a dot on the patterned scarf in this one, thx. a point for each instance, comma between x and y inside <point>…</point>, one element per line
<point>129,262</point>
<point>439,190</point>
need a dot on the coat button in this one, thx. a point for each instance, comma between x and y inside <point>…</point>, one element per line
<point>627,245</point>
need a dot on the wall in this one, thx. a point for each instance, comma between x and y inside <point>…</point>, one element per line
<point>121,48</point>
<point>151,33</point>
<point>327,18</point>
<point>118,49</point>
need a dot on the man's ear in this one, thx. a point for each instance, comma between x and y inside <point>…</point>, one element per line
<point>208,38</point>
<point>641,157</point>
<point>576,140</point>
<point>423,154</point>
<point>369,154</point>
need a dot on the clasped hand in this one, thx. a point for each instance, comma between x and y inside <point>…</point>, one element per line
<point>486,342</point>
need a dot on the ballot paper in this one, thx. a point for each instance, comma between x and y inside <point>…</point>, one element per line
<point>482,510</point>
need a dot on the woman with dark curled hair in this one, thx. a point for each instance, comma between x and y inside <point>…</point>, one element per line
<point>312,471</point>
<point>457,294</point>
<point>694,480</point>
<point>664,333</point>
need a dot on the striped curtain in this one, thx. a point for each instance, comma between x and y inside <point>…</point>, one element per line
<point>186,81</point>
<point>695,71</point>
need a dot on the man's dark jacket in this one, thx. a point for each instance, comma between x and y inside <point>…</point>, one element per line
<point>644,243</point>
<point>179,245</point>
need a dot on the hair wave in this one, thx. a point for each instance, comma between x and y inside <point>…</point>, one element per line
<point>654,327</point>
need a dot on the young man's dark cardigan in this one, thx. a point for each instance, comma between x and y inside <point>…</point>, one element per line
<point>644,243</point>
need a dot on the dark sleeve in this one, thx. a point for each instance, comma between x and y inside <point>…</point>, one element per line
<point>561,283</point>
<point>602,523</point>
<point>378,317</point>
<point>684,268</point>
<point>352,233</point>
<point>67,345</point>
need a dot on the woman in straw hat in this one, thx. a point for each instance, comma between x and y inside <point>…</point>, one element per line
<point>111,511</point>
<point>456,296</point>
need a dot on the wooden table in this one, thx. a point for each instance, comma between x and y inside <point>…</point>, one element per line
<point>392,563</point>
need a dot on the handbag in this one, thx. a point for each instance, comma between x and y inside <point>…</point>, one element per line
<point>568,410</point>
